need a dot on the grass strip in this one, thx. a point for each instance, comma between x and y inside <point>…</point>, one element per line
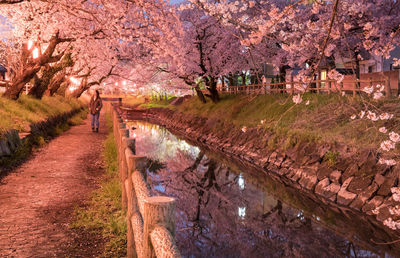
<point>26,110</point>
<point>326,119</point>
<point>103,213</point>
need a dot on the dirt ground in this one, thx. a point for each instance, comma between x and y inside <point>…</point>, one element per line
<point>37,200</point>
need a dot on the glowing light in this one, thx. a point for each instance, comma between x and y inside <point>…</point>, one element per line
<point>30,44</point>
<point>134,135</point>
<point>242,212</point>
<point>116,84</point>
<point>124,83</point>
<point>35,53</point>
<point>74,80</point>
<point>241,182</point>
<point>72,88</point>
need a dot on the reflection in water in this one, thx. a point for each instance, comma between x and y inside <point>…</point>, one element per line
<point>223,211</point>
<point>241,182</point>
<point>242,212</point>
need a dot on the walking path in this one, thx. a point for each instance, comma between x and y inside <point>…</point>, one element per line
<point>38,199</point>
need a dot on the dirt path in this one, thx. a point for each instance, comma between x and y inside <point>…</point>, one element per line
<point>37,200</point>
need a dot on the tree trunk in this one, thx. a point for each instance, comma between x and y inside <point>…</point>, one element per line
<point>30,67</point>
<point>200,94</point>
<point>55,84</point>
<point>17,86</point>
<point>231,80</point>
<point>357,69</point>
<point>78,92</point>
<point>212,88</point>
<point>37,88</point>
<point>43,83</point>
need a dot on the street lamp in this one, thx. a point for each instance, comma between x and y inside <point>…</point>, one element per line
<point>30,44</point>
<point>35,53</point>
<point>75,83</point>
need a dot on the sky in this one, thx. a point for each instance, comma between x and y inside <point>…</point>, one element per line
<point>176,1</point>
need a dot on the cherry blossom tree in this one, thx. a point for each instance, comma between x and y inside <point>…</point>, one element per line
<point>312,32</point>
<point>200,50</point>
<point>101,34</point>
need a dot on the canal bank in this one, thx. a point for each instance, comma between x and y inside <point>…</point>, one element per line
<point>342,186</point>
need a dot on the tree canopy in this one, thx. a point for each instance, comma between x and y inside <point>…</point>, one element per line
<point>207,39</point>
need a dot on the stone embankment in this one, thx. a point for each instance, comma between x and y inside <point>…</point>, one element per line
<point>344,178</point>
<point>11,140</point>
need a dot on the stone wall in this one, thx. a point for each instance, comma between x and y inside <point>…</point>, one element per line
<point>10,141</point>
<point>354,181</point>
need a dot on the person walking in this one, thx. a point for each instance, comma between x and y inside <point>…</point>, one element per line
<point>95,106</point>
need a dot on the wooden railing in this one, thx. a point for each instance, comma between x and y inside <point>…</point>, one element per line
<point>318,86</point>
<point>150,219</point>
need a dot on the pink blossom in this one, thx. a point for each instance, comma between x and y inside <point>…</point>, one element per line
<point>378,95</point>
<point>368,90</point>
<point>394,137</point>
<point>368,44</point>
<point>244,129</point>
<point>391,224</point>
<point>383,130</point>
<point>387,145</point>
<point>297,99</point>
<point>335,75</point>
<point>390,162</point>
<point>329,49</point>
<point>353,117</point>
<point>395,210</point>
<point>386,116</point>
<point>372,116</point>
<point>380,87</point>
<point>395,193</point>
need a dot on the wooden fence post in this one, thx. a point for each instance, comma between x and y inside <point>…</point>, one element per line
<point>388,90</point>
<point>130,249</point>
<point>329,87</point>
<point>292,87</point>
<point>354,88</point>
<point>133,163</point>
<point>158,210</point>
<point>370,81</point>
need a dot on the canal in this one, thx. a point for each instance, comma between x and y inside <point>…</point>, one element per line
<point>226,208</point>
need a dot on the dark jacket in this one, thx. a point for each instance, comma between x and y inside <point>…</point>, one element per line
<point>95,105</point>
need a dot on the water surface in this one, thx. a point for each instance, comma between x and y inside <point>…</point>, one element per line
<point>228,209</point>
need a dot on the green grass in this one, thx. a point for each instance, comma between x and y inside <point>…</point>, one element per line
<point>325,120</point>
<point>104,213</point>
<point>331,157</point>
<point>164,103</point>
<point>26,110</point>
<point>132,100</point>
<point>78,118</point>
